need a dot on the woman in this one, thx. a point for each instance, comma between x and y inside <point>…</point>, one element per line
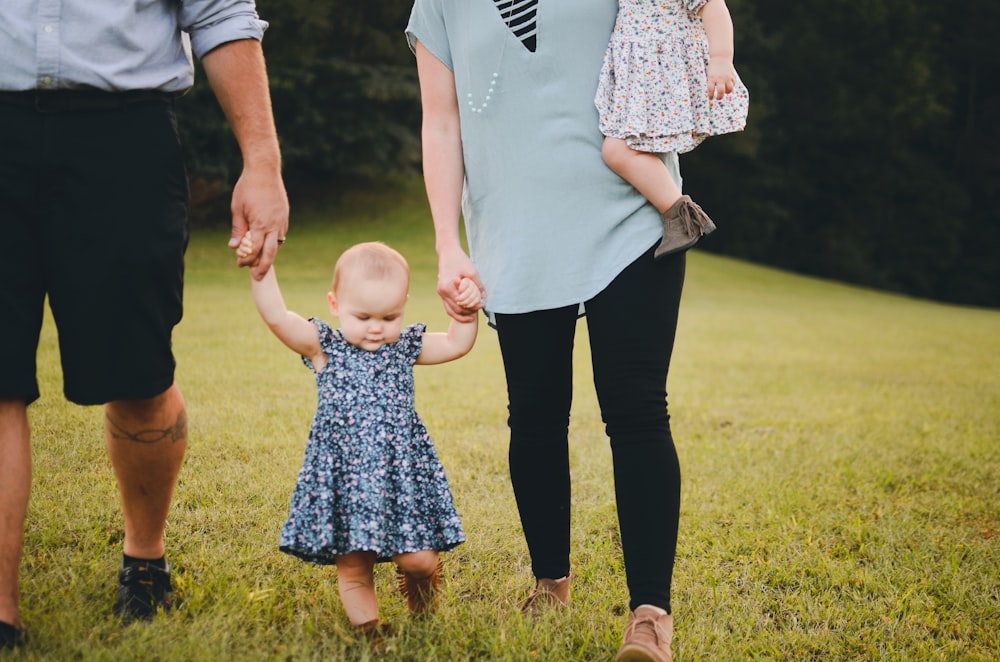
<point>510,141</point>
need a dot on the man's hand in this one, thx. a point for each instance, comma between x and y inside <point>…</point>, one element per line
<point>260,207</point>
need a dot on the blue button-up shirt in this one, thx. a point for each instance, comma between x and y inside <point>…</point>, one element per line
<point>115,45</point>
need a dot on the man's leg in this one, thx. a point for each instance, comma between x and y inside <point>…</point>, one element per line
<point>15,484</point>
<point>146,442</point>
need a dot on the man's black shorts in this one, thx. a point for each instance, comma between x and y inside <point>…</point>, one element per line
<point>93,214</point>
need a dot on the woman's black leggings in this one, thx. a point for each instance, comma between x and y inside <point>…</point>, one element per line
<point>632,325</point>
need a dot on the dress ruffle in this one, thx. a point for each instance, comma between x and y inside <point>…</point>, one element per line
<point>653,88</point>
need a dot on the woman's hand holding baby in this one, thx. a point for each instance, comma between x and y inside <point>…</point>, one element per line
<point>454,268</point>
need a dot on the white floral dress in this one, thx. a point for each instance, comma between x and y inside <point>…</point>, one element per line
<point>653,87</point>
<point>371,478</point>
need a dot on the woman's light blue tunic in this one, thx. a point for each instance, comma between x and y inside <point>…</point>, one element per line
<point>548,223</point>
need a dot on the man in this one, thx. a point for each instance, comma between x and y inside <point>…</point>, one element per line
<point>94,215</point>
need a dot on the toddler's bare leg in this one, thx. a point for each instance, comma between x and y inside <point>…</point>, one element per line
<point>645,171</point>
<point>419,564</point>
<point>419,577</point>
<point>356,584</point>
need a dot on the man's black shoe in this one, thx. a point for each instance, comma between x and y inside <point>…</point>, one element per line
<point>142,589</point>
<point>12,636</point>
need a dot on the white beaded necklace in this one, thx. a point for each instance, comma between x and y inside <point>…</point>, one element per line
<point>496,70</point>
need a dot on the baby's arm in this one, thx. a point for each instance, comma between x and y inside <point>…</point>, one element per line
<point>461,336</point>
<point>298,333</point>
<point>719,28</point>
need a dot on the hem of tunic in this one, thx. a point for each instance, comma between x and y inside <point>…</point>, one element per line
<point>580,300</point>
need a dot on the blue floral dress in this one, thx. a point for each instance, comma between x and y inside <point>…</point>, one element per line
<point>371,478</point>
<point>653,87</point>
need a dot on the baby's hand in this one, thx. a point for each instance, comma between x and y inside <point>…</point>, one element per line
<point>721,77</point>
<point>469,295</point>
<point>246,246</point>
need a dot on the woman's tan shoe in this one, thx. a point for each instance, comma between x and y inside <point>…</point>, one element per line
<point>648,636</point>
<point>548,592</point>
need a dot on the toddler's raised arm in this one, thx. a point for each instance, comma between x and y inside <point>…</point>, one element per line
<point>296,332</point>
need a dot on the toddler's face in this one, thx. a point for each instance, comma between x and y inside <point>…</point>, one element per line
<point>370,311</point>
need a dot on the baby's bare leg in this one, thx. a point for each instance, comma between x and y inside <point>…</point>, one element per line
<point>419,576</point>
<point>419,564</point>
<point>356,584</point>
<point>645,171</point>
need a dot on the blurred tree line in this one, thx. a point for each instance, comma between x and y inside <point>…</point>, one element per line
<point>871,155</point>
<point>345,94</point>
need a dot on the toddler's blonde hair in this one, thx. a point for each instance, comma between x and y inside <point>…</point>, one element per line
<point>371,260</point>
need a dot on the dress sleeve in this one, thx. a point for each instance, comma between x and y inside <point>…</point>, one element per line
<point>411,341</point>
<point>325,340</point>
<point>695,6</point>
<point>428,25</point>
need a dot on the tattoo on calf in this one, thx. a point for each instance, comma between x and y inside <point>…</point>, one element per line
<point>174,433</point>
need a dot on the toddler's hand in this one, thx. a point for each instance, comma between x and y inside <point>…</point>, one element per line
<point>469,295</point>
<point>721,77</point>
<point>246,247</point>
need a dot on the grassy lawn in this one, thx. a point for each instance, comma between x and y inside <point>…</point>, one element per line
<point>840,450</point>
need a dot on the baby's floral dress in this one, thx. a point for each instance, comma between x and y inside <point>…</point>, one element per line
<point>371,478</point>
<point>653,87</point>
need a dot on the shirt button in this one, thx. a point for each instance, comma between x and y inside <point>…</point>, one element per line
<point>48,28</point>
<point>46,81</point>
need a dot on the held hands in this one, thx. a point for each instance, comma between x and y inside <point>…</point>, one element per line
<point>260,205</point>
<point>459,287</point>
<point>245,248</point>
<point>469,295</point>
<point>721,76</point>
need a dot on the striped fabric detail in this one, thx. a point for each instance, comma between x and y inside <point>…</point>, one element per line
<point>519,15</point>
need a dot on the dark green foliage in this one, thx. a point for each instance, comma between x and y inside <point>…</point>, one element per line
<point>345,96</point>
<point>343,118</point>
<point>872,152</point>
<point>345,90</point>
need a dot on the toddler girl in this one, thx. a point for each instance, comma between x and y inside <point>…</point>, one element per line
<point>371,487</point>
<point>667,83</point>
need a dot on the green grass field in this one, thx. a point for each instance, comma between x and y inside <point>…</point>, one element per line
<point>840,450</point>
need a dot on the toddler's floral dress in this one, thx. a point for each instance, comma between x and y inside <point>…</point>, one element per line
<point>371,478</point>
<point>653,86</point>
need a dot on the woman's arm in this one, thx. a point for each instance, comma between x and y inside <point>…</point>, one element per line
<point>444,176</point>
